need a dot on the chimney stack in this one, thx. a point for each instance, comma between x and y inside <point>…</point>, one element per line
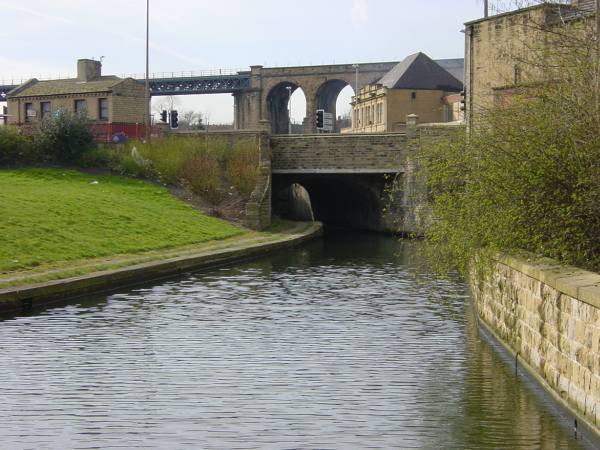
<point>486,11</point>
<point>88,69</point>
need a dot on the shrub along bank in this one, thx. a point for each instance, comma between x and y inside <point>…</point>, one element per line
<point>61,139</point>
<point>221,173</point>
<point>528,176</point>
<point>213,169</point>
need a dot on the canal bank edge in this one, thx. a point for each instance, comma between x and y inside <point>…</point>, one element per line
<point>548,316</point>
<point>20,299</point>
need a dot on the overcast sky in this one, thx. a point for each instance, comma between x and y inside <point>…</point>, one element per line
<point>44,38</point>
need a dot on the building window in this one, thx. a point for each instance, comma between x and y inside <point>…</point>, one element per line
<point>45,109</point>
<point>80,107</point>
<point>517,74</point>
<point>103,109</point>
<point>413,95</point>
<point>29,112</point>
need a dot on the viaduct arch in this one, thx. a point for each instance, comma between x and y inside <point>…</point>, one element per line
<point>263,105</point>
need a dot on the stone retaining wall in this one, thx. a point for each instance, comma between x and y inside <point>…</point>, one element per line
<point>549,315</point>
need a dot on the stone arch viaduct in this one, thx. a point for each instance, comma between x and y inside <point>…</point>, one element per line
<point>261,95</point>
<point>263,104</point>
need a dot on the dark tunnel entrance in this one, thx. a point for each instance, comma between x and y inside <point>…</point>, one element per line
<point>355,201</point>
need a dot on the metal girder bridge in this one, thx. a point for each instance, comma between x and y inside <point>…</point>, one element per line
<point>215,84</point>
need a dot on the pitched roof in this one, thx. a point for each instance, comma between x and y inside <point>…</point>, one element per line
<point>419,71</point>
<point>456,67</point>
<point>35,88</point>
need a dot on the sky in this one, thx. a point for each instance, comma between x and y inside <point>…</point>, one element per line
<point>44,38</point>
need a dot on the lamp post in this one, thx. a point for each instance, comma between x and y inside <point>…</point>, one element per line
<point>147,69</point>
<point>289,89</point>
<point>355,109</point>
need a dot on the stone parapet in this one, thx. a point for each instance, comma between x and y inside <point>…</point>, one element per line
<point>349,153</point>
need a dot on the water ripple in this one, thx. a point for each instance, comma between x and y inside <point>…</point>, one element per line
<point>342,344</point>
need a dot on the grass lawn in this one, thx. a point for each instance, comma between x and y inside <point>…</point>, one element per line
<point>54,215</point>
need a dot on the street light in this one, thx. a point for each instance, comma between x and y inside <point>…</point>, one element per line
<point>147,70</point>
<point>354,113</point>
<point>289,89</point>
<point>356,66</point>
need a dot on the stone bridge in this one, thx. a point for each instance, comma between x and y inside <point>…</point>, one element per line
<point>344,180</point>
<point>365,181</point>
<point>261,95</point>
<point>362,181</point>
<point>264,105</point>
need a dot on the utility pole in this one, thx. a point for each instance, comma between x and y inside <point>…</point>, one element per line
<point>147,70</point>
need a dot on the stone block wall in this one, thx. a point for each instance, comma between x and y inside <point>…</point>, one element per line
<point>258,208</point>
<point>128,103</point>
<point>408,211</point>
<point>349,153</point>
<point>549,315</point>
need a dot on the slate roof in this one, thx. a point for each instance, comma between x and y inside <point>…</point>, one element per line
<point>419,71</point>
<point>35,88</point>
<point>456,67</point>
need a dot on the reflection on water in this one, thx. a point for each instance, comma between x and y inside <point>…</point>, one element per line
<point>344,343</point>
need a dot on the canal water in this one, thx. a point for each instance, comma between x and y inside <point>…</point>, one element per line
<point>345,343</point>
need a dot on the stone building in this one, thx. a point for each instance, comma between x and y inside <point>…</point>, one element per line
<point>497,50</point>
<point>103,99</point>
<point>417,85</point>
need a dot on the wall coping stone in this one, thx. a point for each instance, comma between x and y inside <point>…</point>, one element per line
<point>333,136</point>
<point>572,281</point>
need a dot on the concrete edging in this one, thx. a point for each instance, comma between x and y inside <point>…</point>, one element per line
<point>20,299</point>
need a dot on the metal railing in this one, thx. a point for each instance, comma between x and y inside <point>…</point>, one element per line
<point>17,80</point>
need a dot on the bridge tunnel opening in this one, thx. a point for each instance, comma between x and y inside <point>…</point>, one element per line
<point>352,201</point>
<point>286,104</point>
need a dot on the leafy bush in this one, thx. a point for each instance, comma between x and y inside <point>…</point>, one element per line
<point>15,147</point>
<point>168,155</point>
<point>64,138</point>
<point>242,166</point>
<point>528,178</point>
<point>202,175</point>
<point>100,157</point>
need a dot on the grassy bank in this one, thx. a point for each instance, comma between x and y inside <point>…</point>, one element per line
<point>53,216</point>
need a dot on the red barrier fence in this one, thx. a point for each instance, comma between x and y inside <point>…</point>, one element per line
<point>120,132</point>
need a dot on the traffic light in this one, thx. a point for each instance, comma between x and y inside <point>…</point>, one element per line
<point>320,119</point>
<point>463,100</point>
<point>163,116</point>
<point>174,119</point>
